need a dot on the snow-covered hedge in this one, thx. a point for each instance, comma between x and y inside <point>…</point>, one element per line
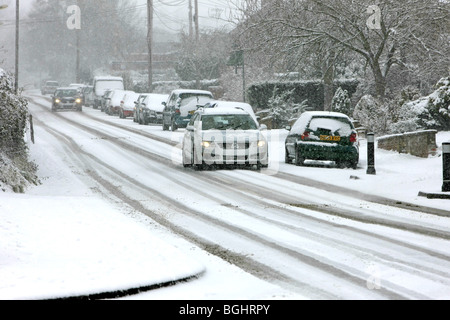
<point>385,117</point>
<point>16,171</point>
<point>430,112</point>
<point>311,90</point>
<point>13,116</point>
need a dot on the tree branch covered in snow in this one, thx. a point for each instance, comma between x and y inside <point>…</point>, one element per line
<point>410,33</point>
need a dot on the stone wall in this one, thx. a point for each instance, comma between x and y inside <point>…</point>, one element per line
<point>419,143</point>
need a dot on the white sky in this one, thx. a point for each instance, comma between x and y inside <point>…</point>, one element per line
<point>171,14</point>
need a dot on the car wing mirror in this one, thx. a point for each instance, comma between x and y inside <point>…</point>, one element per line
<point>288,128</point>
<point>262,127</point>
<point>190,128</point>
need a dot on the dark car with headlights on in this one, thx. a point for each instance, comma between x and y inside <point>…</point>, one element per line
<point>324,136</point>
<point>67,99</point>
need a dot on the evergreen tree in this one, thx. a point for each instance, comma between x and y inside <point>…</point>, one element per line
<point>341,102</point>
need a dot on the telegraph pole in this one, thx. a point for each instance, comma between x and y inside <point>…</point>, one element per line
<point>150,44</point>
<point>16,81</point>
<point>196,22</point>
<point>78,76</point>
<point>197,76</point>
<point>191,19</point>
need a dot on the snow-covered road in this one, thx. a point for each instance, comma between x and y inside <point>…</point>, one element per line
<point>317,241</point>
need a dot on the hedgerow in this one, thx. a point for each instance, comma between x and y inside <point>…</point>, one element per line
<point>16,171</point>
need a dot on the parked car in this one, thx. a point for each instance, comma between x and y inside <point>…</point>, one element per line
<point>106,98</point>
<point>88,97</point>
<point>67,99</point>
<point>224,136</point>
<point>322,135</point>
<point>102,84</point>
<point>114,102</point>
<point>177,110</point>
<point>49,87</point>
<point>127,104</point>
<point>137,104</point>
<point>151,108</point>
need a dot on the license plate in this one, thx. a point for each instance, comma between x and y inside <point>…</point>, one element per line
<point>330,138</point>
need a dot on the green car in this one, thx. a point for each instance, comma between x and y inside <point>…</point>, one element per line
<point>322,135</point>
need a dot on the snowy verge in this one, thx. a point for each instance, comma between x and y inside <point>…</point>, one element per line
<point>60,240</point>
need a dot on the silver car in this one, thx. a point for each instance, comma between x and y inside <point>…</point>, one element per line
<point>223,137</point>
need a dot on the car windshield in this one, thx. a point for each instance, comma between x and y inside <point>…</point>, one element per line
<point>228,122</point>
<point>66,93</point>
<point>188,97</point>
<point>331,126</point>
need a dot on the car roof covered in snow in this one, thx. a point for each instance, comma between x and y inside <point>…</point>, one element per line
<point>232,104</point>
<point>301,123</point>
<point>179,91</point>
<point>222,110</point>
<point>107,78</point>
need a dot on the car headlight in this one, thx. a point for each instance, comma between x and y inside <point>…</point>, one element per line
<point>206,144</point>
<point>78,100</point>
<point>261,143</point>
<point>57,101</point>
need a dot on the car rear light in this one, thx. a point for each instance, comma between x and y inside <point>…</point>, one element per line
<point>353,137</point>
<point>177,111</point>
<point>305,135</point>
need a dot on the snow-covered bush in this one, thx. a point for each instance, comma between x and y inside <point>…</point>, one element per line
<point>16,171</point>
<point>373,114</point>
<point>13,116</point>
<point>282,108</point>
<point>341,102</point>
<point>429,112</point>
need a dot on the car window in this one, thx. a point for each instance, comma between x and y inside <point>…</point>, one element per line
<point>193,119</point>
<point>330,126</point>
<point>187,98</point>
<point>66,93</point>
<point>228,122</point>
<point>172,100</point>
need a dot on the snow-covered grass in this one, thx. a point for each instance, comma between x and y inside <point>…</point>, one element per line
<point>60,239</point>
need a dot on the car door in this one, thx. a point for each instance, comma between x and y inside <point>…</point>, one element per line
<point>167,112</point>
<point>291,141</point>
<point>188,140</point>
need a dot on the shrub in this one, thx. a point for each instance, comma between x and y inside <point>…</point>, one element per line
<point>372,114</point>
<point>13,116</point>
<point>15,169</point>
<point>429,112</point>
<point>282,108</point>
<point>341,102</point>
<point>311,90</point>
